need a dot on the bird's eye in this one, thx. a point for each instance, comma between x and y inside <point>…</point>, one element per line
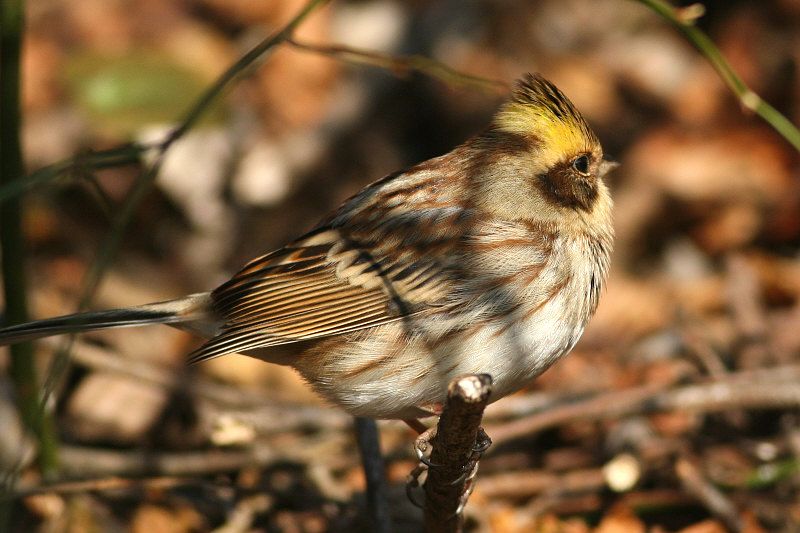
<point>581,164</point>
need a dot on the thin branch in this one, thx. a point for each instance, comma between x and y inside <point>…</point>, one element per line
<point>246,405</point>
<point>131,153</point>
<point>142,186</point>
<point>711,497</point>
<point>520,484</point>
<point>82,462</point>
<point>454,455</point>
<point>236,71</point>
<point>401,65</point>
<point>684,19</point>
<point>109,484</point>
<point>241,518</point>
<point>64,171</point>
<point>13,184</point>
<point>760,389</point>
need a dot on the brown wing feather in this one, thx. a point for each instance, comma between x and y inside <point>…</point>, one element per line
<point>331,282</point>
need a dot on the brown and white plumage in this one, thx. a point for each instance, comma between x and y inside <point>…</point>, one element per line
<point>487,259</point>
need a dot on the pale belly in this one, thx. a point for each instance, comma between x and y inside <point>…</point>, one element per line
<point>387,373</point>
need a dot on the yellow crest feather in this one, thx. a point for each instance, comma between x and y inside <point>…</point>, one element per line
<point>538,108</point>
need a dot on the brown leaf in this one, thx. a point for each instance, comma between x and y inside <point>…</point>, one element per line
<point>621,520</point>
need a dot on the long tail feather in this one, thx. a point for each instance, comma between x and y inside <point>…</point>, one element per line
<point>189,312</point>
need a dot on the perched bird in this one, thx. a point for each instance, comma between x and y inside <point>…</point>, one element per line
<point>488,259</point>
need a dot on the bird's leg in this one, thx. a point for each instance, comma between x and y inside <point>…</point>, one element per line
<point>416,425</point>
<point>421,445</point>
<point>372,462</point>
<point>426,434</point>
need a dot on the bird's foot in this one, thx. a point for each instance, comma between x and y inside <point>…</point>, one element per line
<point>422,444</point>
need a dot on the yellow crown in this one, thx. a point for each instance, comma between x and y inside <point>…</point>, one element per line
<point>540,110</point>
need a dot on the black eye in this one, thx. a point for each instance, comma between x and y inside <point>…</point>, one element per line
<point>581,164</point>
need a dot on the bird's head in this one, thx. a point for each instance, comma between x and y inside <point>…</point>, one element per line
<point>539,157</point>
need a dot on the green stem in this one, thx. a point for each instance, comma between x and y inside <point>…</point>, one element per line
<point>749,99</point>
<point>23,371</point>
<point>12,262</point>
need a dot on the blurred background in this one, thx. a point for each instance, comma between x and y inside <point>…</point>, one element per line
<point>705,279</point>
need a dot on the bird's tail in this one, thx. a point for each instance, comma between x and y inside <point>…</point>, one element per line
<point>189,312</point>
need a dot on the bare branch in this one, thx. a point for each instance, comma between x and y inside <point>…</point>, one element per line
<point>757,389</point>
<point>456,452</point>
<point>715,501</point>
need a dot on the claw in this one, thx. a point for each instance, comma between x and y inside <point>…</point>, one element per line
<point>467,476</point>
<point>482,443</point>
<point>412,482</point>
<point>465,497</point>
<point>425,461</point>
<point>420,447</point>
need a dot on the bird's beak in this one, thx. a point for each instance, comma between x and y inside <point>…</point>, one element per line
<point>607,164</point>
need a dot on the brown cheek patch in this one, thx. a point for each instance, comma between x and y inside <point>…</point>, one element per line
<point>562,187</point>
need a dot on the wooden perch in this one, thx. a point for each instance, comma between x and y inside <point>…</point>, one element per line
<point>457,446</point>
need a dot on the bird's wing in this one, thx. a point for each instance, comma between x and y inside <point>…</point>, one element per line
<point>336,281</point>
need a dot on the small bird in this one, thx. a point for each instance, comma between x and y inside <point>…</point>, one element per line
<point>488,259</point>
